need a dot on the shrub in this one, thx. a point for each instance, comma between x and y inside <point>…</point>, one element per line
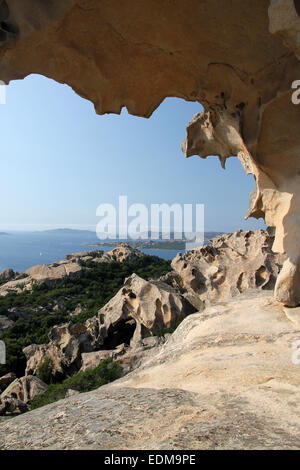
<point>44,371</point>
<point>107,371</point>
<point>165,331</point>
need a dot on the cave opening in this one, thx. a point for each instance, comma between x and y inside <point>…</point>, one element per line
<point>121,332</point>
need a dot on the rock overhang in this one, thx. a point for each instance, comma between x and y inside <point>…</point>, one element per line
<point>238,59</point>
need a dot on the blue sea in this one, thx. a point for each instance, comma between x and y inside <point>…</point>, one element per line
<point>22,250</point>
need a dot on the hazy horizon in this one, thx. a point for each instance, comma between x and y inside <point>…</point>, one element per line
<point>63,160</point>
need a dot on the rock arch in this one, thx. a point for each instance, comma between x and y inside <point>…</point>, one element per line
<point>237,58</point>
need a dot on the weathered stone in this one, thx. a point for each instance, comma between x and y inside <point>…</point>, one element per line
<point>15,286</point>
<point>24,389</point>
<point>76,311</point>
<point>138,56</point>
<point>8,275</point>
<point>42,273</point>
<point>93,359</point>
<point>74,265</point>
<point>151,341</point>
<point>50,274</point>
<point>140,308</point>
<point>226,379</point>
<point>232,264</point>
<point>71,393</point>
<point>77,257</point>
<point>284,18</point>
<point>67,342</point>
<point>12,405</point>
<point>7,379</point>
<point>122,253</point>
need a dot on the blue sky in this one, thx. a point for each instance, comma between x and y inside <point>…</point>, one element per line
<point>59,161</point>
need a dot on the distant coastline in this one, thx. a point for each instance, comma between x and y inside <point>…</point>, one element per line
<point>155,244</point>
<point>147,244</point>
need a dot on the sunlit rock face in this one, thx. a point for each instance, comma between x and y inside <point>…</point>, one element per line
<point>230,265</point>
<point>238,58</point>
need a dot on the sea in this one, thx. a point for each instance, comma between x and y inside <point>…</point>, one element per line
<point>22,250</point>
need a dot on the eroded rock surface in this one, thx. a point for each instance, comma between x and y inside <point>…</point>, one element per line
<point>6,379</point>
<point>232,264</point>
<point>229,266</point>
<point>122,253</point>
<point>224,380</point>
<point>57,271</point>
<point>64,349</point>
<point>24,389</point>
<point>285,22</point>
<point>239,59</point>
<point>140,309</point>
<point>9,406</point>
<point>8,275</point>
<point>73,265</point>
<point>42,273</point>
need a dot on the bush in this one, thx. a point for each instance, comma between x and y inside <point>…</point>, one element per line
<point>107,371</point>
<point>44,371</point>
<point>165,331</point>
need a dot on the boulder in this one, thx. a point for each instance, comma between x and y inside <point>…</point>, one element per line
<point>15,286</point>
<point>230,265</point>
<point>140,309</point>
<point>122,253</point>
<point>66,343</point>
<point>249,93</point>
<point>7,379</point>
<point>129,358</point>
<point>11,406</point>
<point>24,389</point>
<point>71,393</point>
<point>76,311</point>
<point>92,359</point>
<point>42,273</point>
<point>8,275</point>
<point>52,273</point>
<point>74,265</point>
<point>85,255</point>
<point>228,378</point>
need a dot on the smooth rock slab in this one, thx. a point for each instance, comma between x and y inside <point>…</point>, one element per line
<point>224,380</point>
<point>145,419</point>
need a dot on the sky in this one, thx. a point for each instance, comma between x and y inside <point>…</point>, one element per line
<point>60,161</point>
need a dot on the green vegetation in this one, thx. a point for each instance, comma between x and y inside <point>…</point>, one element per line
<point>106,372</point>
<point>45,307</point>
<point>44,371</point>
<point>165,331</point>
